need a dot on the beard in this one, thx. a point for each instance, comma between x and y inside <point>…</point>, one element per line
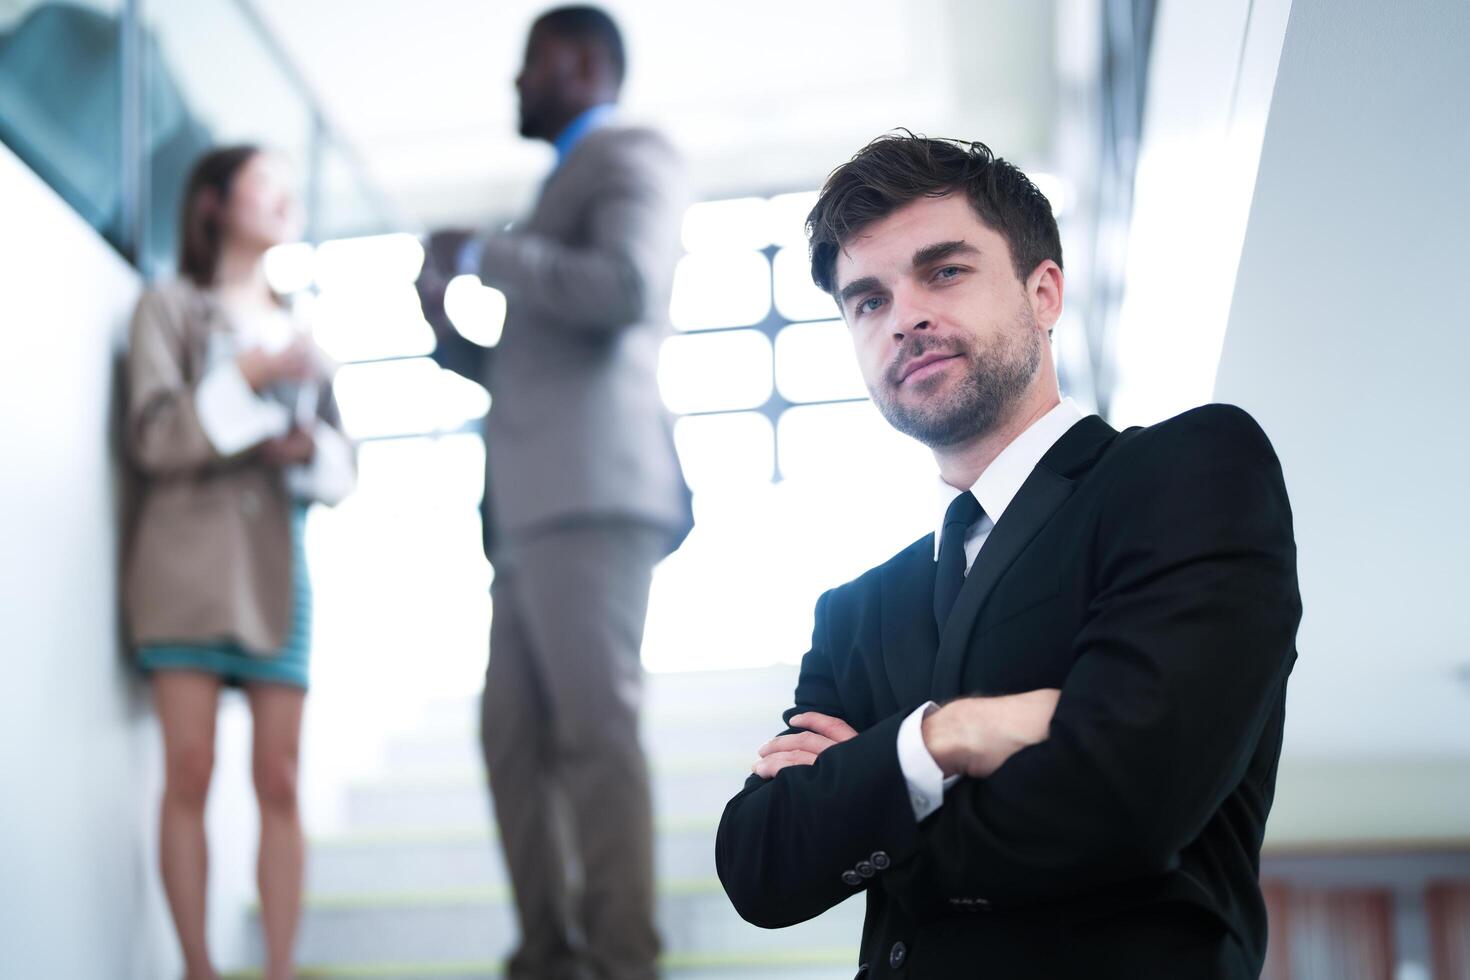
<point>994,380</point>
<point>530,125</point>
<point>537,110</point>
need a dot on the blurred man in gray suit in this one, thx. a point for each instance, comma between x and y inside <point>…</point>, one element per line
<point>584,496</point>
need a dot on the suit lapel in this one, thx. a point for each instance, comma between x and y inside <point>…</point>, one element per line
<point>909,637</point>
<point>1045,490</point>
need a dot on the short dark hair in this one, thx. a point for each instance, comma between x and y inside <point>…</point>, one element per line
<point>584,22</point>
<point>899,167</point>
<point>201,225</point>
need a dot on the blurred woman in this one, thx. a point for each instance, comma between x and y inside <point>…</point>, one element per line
<point>232,424</point>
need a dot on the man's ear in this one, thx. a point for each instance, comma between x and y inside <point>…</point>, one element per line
<point>1044,288</point>
<point>588,64</point>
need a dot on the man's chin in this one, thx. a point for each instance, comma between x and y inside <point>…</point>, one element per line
<point>935,418</point>
<point>530,127</point>
<point>923,396</point>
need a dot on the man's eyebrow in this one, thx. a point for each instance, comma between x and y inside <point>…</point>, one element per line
<point>924,256</point>
<point>863,285</point>
<point>942,250</point>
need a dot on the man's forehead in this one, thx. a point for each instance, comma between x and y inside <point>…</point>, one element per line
<point>895,237</point>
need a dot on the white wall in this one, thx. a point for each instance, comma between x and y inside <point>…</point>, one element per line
<point>1212,68</point>
<point>79,747</point>
<point>72,734</point>
<point>1349,339</point>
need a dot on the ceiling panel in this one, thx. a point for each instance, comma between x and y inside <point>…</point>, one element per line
<point>762,96</point>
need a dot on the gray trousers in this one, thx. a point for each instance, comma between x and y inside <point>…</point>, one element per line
<point>568,775</point>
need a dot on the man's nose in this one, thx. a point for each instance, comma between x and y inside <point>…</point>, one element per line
<point>910,315</point>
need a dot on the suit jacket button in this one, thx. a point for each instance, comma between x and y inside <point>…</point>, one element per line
<point>852,878</point>
<point>880,860</point>
<point>865,868</point>
<point>897,955</point>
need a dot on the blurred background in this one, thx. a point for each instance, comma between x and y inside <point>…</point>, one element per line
<point>1261,202</point>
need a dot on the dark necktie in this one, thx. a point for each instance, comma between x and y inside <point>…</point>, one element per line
<point>964,511</point>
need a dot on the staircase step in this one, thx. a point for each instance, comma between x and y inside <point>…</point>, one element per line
<point>416,887</point>
<point>470,858</point>
<point>477,925</point>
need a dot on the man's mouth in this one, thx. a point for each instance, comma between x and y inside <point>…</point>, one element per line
<point>924,365</point>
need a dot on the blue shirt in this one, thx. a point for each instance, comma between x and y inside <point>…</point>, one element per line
<point>566,141</point>
<point>572,134</point>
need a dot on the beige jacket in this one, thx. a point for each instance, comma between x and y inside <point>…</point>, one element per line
<point>208,551</point>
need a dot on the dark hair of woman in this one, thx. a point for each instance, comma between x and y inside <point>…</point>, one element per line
<point>206,196</point>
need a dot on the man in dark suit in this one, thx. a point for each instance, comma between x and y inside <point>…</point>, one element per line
<point>584,496</point>
<point>1043,740</point>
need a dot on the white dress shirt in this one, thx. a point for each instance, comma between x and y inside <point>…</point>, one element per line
<point>995,490</point>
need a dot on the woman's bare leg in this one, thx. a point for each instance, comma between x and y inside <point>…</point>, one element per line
<point>187,702</point>
<point>277,710</point>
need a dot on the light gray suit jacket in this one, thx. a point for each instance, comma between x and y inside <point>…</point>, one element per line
<point>577,429</point>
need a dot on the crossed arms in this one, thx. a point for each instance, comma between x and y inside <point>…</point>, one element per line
<point>1176,670</point>
<point>967,737</point>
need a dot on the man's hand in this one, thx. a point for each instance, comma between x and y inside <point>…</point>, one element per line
<point>431,286</point>
<point>801,748</point>
<point>441,264</point>
<point>442,251</point>
<point>975,736</point>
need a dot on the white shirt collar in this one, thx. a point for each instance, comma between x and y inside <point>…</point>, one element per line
<point>1002,479</point>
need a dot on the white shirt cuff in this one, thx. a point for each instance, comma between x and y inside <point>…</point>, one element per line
<point>234,417</point>
<point>926,782</point>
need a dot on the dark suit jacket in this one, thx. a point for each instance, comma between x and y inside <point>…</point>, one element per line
<point>1151,575</point>
<point>578,430</point>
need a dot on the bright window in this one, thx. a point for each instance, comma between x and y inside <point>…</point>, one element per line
<point>737,223</point>
<point>726,452</point>
<point>370,323</point>
<point>404,397</point>
<point>797,297</point>
<point>815,363</point>
<point>787,214</point>
<point>799,483</point>
<point>721,289</point>
<point>715,372</point>
<point>844,443</point>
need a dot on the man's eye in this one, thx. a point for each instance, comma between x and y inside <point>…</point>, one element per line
<point>948,272</point>
<point>864,306</point>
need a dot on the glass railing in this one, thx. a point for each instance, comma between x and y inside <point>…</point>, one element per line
<point>61,103</point>
<point>111,102</point>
